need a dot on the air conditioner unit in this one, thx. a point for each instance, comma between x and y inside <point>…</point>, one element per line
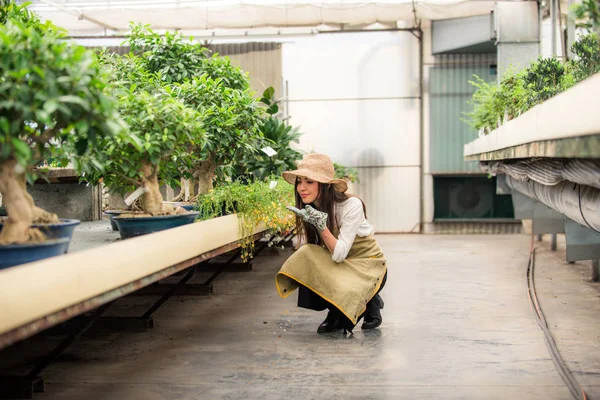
<point>471,200</point>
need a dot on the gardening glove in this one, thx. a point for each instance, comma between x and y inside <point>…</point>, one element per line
<point>312,216</point>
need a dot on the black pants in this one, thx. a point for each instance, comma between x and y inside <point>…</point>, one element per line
<point>309,299</point>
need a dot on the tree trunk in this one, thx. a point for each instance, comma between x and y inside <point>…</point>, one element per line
<point>152,199</point>
<point>192,185</point>
<point>205,174</point>
<point>20,208</point>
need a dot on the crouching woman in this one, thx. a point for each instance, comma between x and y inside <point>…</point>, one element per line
<point>340,267</point>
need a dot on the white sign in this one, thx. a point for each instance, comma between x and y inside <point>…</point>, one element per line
<point>133,196</point>
<point>269,151</point>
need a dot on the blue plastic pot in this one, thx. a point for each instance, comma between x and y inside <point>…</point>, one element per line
<point>131,226</point>
<point>16,254</point>
<point>62,230</point>
<point>111,214</point>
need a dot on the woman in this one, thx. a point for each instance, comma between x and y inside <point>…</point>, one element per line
<point>341,268</point>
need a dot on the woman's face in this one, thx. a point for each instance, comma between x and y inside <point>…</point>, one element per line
<point>308,190</point>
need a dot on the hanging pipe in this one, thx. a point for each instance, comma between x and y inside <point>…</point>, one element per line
<point>578,202</point>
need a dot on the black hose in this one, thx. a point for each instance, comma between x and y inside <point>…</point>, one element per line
<point>563,370</point>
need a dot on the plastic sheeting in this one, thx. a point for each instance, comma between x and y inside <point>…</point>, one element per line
<point>578,202</point>
<point>93,17</point>
<point>550,172</point>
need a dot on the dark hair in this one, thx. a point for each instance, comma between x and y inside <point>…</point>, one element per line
<point>328,197</point>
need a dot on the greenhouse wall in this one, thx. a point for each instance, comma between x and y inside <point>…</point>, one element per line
<point>356,98</point>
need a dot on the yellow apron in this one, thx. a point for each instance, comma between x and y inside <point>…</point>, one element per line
<point>348,285</point>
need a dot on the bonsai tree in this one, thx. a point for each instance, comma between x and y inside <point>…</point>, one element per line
<point>214,87</point>
<point>160,129</point>
<point>52,96</point>
<point>231,119</point>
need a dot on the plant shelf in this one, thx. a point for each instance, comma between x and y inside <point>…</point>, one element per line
<point>565,126</point>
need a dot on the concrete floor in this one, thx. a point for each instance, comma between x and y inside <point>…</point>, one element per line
<point>457,325</point>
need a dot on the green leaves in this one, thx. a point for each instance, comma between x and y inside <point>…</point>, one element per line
<point>587,50</point>
<point>587,13</point>
<point>52,100</point>
<point>212,86</point>
<point>160,126</point>
<point>493,104</point>
<point>256,204</point>
<point>268,98</point>
<point>279,137</point>
<point>22,152</point>
<point>168,55</point>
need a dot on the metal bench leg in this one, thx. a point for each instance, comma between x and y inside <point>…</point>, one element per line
<point>23,387</point>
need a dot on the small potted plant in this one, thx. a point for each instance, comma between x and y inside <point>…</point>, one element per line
<point>276,135</point>
<point>257,204</point>
<point>349,174</point>
<point>52,100</point>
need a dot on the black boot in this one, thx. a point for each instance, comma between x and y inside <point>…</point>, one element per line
<point>373,314</point>
<point>332,323</point>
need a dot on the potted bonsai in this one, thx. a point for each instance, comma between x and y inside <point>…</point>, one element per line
<point>214,87</point>
<point>51,99</point>
<point>160,129</point>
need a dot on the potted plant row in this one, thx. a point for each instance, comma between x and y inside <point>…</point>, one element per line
<point>223,118</point>
<point>495,104</point>
<point>52,102</point>
<point>215,87</point>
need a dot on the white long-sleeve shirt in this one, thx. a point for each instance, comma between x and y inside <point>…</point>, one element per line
<point>352,221</point>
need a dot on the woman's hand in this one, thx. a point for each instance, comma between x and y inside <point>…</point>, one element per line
<point>312,216</point>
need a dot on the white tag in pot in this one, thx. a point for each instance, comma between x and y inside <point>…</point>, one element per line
<point>269,151</point>
<point>133,196</point>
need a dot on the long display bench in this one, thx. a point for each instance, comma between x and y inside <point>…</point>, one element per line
<point>565,126</point>
<point>37,296</point>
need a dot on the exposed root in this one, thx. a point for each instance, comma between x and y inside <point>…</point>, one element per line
<point>32,235</point>
<point>166,210</point>
<point>44,217</point>
<point>179,197</point>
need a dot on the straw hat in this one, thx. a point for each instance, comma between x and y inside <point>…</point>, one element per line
<point>317,167</point>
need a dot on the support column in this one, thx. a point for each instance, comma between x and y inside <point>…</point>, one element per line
<point>517,30</point>
<point>583,243</point>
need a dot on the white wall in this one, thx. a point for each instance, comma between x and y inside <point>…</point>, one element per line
<point>546,39</point>
<point>355,96</point>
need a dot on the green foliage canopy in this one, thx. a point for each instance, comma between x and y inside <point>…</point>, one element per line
<point>52,94</point>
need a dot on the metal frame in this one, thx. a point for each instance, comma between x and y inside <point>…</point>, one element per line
<point>583,244</point>
<point>544,219</point>
<point>23,387</point>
